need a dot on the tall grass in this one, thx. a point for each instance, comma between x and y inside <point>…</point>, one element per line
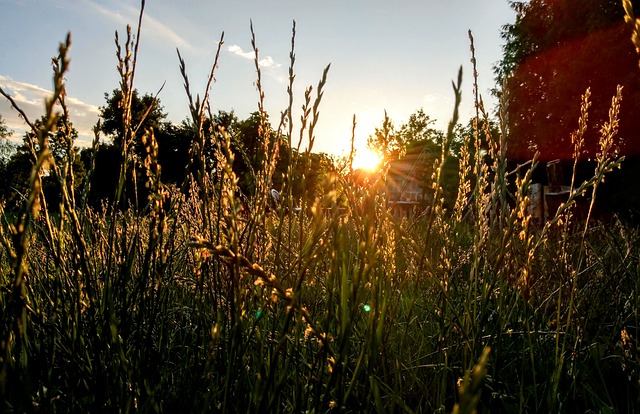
<point>206,306</point>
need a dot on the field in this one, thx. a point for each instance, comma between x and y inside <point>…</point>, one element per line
<point>201,302</point>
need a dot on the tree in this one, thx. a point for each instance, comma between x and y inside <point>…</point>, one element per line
<point>61,144</point>
<point>414,148</point>
<point>418,130</point>
<point>15,166</point>
<point>146,112</point>
<point>146,115</point>
<point>15,182</point>
<point>5,132</point>
<point>7,148</point>
<point>174,142</point>
<point>315,167</point>
<point>248,145</point>
<point>105,174</point>
<point>250,137</point>
<point>175,147</point>
<point>554,51</point>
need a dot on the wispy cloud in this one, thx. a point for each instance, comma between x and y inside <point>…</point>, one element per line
<point>266,62</point>
<point>162,31</point>
<point>152,27</point>
<point>30,98</point>
<point>113,15</point>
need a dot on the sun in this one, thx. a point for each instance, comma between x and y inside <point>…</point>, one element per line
<point>366,159</point>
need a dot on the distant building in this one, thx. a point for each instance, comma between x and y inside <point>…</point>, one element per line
<point>407,194</point>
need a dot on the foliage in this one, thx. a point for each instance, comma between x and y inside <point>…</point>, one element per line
<point>541,25</point>
<point>104,163</point>
<point>19,160</point>
<point>174,145</point>
<point>7,151</point>
<point>394,142</point>
<point>16,178</point>
<point>5,132</point>
<point>554,51</point>
<point>417,143</point>
<point>146,112</point>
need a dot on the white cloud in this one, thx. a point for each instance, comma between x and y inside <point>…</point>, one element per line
<point>266,62</point>
<point>237,50</point>
<point>30,98</point>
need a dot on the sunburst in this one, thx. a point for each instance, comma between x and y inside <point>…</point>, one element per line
<point>366,159</point>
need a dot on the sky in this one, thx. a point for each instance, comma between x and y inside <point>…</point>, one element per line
<point>393,56</point>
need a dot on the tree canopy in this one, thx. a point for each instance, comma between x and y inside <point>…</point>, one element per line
<point>553,52</point>
<point>418,130</point>
<point>7,148</point>
<point>16,163</point>
<point>412,150</point>
<point>175,148</point>
<point>4,130</point>
<point>146,112</point>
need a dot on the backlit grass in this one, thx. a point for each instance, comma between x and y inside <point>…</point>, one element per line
<point>198,303</point>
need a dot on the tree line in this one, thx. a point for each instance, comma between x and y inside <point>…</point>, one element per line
<point>174,146</point>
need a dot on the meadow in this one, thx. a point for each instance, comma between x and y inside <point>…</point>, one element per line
<point>201,302</point>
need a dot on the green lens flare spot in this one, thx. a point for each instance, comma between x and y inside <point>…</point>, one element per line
<point>366,308</point>
<point>258,313</point>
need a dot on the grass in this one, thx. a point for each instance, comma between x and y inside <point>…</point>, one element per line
<point>204,306</point>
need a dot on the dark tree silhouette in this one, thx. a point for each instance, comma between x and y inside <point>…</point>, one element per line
<point>146,115</point>
<point>17,167</point>
<point>15,182</point>
<point>105,175</point>
<point>146,112</point>
<point>7,150</point>
<point>174,144</point>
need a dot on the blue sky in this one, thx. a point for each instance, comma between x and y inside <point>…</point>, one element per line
<point>395,56</point>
